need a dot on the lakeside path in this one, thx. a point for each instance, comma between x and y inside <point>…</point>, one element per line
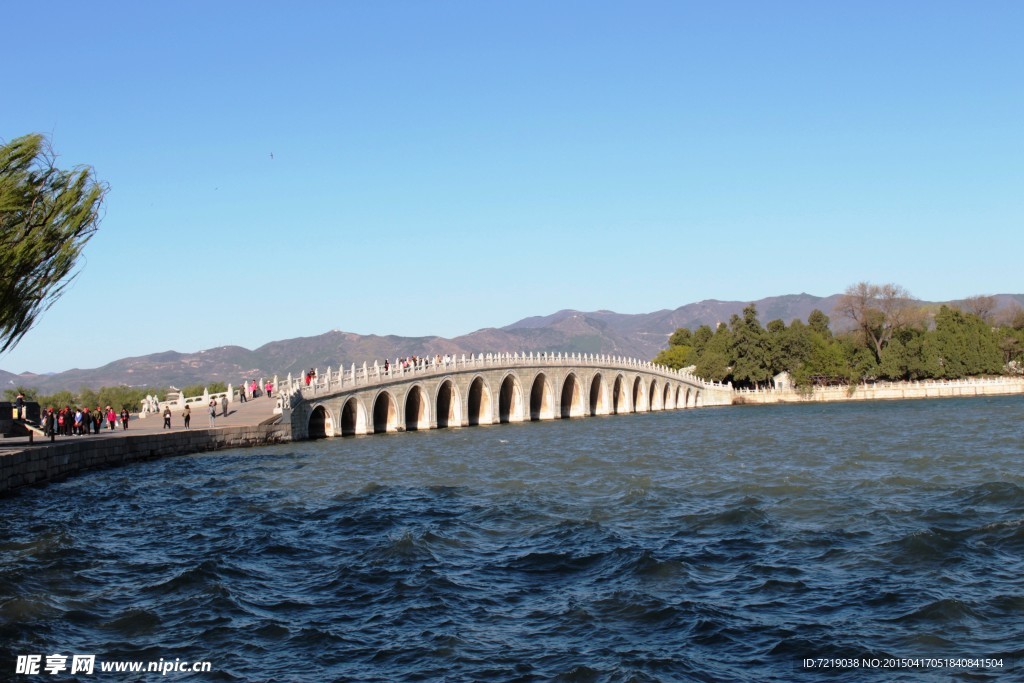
<point>249,414</point>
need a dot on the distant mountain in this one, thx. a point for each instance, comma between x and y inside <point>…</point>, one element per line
<point>634,335</point>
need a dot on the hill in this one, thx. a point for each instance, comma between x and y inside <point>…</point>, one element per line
<point>635,335</point>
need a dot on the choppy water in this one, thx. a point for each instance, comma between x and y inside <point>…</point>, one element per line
<point>713,544</point>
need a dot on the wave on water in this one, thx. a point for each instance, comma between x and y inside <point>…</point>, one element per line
<point>693,545</point>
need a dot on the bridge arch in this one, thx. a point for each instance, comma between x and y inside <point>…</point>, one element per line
<point>541,400</point>
<point>321,423</point>
<point>510,399</point>
<point>353,417</point>
<point>620,396</point>
<point>448,405</point>
<point>417,409</point>
<point>598,396</point>
<point>486,389</point>
<point>385,413</point>
<point>479,403</point>
<point>571,404</point>
<point>656,396</point>
<point>640,404</point>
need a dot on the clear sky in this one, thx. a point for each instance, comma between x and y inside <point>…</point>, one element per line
<point>283,169</point>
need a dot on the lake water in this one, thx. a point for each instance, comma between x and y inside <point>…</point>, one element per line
<point>711,544</point>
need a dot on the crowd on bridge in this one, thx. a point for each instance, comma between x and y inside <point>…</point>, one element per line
<point>409,362</point>
<point>251,389</point>
<point>79,421</point>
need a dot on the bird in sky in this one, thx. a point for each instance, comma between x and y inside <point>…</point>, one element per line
<point>271,155</point>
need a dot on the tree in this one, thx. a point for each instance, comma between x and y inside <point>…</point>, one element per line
<point>679,350</point>
<point>12,394</point>
<point>681,337</point>
<point>701,338</point>
<point>46,217</point>
<point>818,322</point>
<point>966,345</point>
<point>879,312</point>
<point>713,363</point>
<point>675,356</point>
<point>751,355</point>
<point>981,305</point>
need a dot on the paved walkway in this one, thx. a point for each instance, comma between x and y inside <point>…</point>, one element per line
<point>253,412</point>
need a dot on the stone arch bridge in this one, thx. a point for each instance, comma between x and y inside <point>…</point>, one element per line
<point>486,389</point>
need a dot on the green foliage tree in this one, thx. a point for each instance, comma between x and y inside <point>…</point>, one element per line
<point>911,355</point>
<point>198,389</point>
<point>819,323</point>
<point>965,344</point>
<point>12,394</point>
<point>713,363</point>
<point>681,337</point>
<point>674,357</point>
<point>962,344</point>
<point>701,338</point>
<point>795,346</point>
<point>117,397</point>
<point>750,353</point>
<point>46,217</point>
<point>59,399</point>
<point>775,340</point>
<point>679,350</point>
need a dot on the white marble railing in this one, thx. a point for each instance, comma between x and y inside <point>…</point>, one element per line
<point>366,375</point>
<point>151,405</point>
<point>965,382</point>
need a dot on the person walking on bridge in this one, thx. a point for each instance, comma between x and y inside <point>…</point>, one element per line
<point>187,415</point>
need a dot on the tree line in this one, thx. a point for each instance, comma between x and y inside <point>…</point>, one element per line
<point>118,397</point>
<point>893,336</point>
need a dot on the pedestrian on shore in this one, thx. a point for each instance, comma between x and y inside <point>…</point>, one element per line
<point>19,403</point>
<point>224,405</point>
<point>111,419</point>
<point>97,420</point>
<point>213,412</point>
<point>187,414</point>
<point>124,418</point>
<point>167,417</point>
<point>241,393</point>
<point>270,390</point>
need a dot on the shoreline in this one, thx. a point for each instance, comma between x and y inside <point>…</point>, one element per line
<point>885,391</point>
<point>44,462</point>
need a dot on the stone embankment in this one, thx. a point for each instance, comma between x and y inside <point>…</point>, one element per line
<point>51,462</point>
<point>36,459</point>
<point>47,462</point>
<point>886,391</point>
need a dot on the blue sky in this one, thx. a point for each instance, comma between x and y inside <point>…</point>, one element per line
<point>439,167</point>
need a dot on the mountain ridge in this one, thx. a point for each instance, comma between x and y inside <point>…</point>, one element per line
<point>639,335</point>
